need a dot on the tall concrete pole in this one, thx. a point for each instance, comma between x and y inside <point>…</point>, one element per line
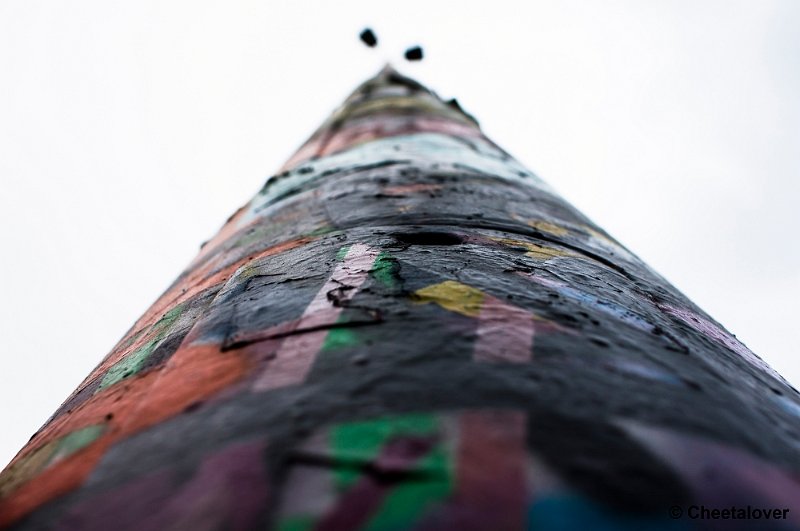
<point>406,329</point>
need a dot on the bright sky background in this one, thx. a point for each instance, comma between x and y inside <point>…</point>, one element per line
<point>129,131</point>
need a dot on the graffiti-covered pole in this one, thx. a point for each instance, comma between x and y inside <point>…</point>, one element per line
<point>406,329</point>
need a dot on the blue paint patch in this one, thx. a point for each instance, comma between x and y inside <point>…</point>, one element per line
<point>645,371</point>
<point>606,307</point>
<point>788,405</point>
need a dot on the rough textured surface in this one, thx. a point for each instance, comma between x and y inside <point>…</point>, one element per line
<point>406,329</point>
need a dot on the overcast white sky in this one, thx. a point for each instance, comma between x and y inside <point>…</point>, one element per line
<point>129,131</point>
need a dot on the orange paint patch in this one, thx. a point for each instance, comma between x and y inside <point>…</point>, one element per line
<point>229,229</point>
<point>199,280</point>
<point>69,474</point>
<point>194,373</point>
<point>56,481</point>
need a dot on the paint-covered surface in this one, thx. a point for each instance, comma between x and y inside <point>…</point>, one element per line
<point>406,329</point>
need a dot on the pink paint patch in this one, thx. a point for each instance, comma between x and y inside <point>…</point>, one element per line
<point>491,466</point>
<point>292,362</point>
<point>297,353</point>
<point>491,484</point>
<point>505,333</point>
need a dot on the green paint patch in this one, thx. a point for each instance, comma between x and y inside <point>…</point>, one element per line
<point>340,338</point>
<point>168,320</point>
<point>361,442</point>
<point>127,366</point>
<point>29,466</point>
<point>342,252</point>
<point>385,269</point>
<point>133,362</point>
<point>409,501</point>
<point>297,523</point>
<point>129,341</point>
<point>71,443</point>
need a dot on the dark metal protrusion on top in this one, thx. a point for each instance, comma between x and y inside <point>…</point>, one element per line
<point>368,37</point>
<point>414,53</point>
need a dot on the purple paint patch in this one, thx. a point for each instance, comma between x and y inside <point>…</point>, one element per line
<point>228,491</point>
<point>122,508</point>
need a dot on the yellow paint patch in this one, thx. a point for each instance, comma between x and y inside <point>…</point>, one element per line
<point>535,251</point>
<point>543,253</point>
<point>544,226</point>
<point>453,296</point>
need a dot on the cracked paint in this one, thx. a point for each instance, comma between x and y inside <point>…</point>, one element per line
<point>407,329</point>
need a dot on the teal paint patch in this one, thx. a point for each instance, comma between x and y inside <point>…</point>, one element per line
<point>75,441</point>
<point>567,513</point>
<point>127,366</point>
<point>168,320</point>
<point>133,362</point>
